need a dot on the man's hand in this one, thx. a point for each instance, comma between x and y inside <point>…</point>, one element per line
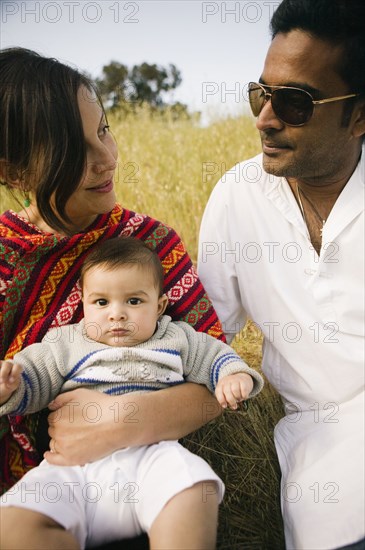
<point>233,389</point>
<point>82,426</point>
<point>9,379</point>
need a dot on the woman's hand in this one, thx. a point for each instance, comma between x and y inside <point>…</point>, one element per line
<point>86,425</point>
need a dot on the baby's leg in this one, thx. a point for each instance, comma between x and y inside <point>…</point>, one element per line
<point>188,520</point>
<point>23,529</point>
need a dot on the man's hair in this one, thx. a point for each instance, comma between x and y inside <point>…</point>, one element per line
<point>41,136</point>
<point>340,22</point>
<point>124,251</point>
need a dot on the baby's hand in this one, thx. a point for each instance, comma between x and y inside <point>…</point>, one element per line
<point>9,379</point>
<point>233,389</point>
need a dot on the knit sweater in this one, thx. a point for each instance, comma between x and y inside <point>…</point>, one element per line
<point>39,290</point>
<point>67,359</point>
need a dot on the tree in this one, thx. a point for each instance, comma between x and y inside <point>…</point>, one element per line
<point>113,85</point>
<point>151,81</point>
<point>143,83</point>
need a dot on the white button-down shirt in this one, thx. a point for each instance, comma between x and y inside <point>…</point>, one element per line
<point>256,260</point>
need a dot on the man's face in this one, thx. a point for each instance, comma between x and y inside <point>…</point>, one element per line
<point>323,149</point>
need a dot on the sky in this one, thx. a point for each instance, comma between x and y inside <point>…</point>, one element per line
<point>217,46</point>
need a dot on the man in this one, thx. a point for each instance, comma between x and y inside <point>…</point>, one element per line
<point>282,242</point>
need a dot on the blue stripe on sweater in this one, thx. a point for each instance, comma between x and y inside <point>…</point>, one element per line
<point>135,387</point>
<point>170,351</point>
<point>28,389</point>
<point>217,365</point>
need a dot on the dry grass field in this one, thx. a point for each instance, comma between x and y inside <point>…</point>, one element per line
<point>167,169</point>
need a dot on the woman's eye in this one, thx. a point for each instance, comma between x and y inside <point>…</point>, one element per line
<point>101,302</point>
<point>104,130</point>
<point>134,301</point>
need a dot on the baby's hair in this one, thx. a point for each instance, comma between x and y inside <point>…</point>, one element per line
<point>123,251</point>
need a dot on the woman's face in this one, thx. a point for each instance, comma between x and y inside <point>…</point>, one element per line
<point>95,194</point>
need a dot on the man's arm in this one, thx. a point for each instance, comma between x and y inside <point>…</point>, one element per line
<point>87,425</point>
<point>217,254</point>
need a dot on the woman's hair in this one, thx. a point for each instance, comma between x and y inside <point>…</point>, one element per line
<point>124,251</point>
<point>341,22</point>
<point>41,137</point>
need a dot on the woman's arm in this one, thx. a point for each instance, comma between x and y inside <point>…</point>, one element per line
<point>87,425</point>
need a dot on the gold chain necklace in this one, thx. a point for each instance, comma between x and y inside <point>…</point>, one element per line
<point>299,192</point>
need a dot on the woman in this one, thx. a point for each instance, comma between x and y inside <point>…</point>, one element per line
<point>56,150</point>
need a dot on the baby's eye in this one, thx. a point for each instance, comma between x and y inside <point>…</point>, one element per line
<point>101,302</point>
<point>134,301</point>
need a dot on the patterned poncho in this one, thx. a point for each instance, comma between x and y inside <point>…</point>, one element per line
<point>39,290</point>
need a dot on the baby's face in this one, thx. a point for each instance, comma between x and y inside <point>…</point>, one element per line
<point>121,305</point>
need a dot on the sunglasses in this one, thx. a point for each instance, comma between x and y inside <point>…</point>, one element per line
<point>293,106</point>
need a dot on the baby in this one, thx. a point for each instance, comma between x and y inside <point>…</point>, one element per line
<point>125,343</point>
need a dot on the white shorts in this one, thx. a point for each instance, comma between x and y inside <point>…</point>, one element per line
<point>116,497</point>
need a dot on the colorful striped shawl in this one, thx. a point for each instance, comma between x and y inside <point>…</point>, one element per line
<point>39,290</point>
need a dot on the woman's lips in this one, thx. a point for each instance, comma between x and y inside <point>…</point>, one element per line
<point>105,187</point>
